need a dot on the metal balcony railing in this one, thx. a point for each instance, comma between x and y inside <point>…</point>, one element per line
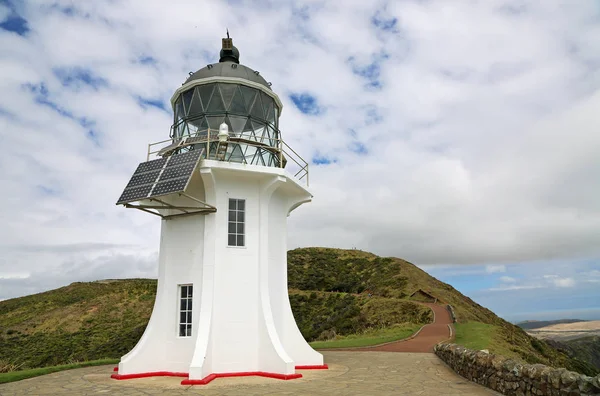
<point>287,157</point>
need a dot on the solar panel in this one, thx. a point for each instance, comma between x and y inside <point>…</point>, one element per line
<point>160,177</point>
<point>190,156</point>
<point>169,186</point>
<point>135,194</point>
<point>151,165</point>
<point>175,172</point>
<point>139,179</point>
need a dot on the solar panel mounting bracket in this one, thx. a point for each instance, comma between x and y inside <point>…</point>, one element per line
<point>202,208</point>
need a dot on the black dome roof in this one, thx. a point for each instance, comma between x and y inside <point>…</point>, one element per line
<point>228,66</point>
<point>228,69</point>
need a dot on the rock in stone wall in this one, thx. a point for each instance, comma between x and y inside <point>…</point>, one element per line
<point>512,378</point>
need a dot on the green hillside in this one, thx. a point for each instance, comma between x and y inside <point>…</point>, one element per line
<point>584,348</point>
<point>356,271</point>
<point>104,319</point>
<point>333,293</point>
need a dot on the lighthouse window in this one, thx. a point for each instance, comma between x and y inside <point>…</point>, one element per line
<point>236,222</point>
<point>185,310</point>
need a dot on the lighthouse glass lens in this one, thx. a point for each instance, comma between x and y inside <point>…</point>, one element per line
<point>249,112</point>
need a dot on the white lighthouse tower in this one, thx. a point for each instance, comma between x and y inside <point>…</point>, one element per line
<point>223,185</point>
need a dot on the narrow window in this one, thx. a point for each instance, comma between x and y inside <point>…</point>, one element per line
<point>185,311</point>
<point>237,217</point>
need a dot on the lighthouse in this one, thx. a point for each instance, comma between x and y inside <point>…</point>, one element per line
<point>223,185</point>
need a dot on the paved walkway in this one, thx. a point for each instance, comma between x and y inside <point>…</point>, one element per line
<point>423,342</point>
<point>350,374</point>
<point>428,337</point>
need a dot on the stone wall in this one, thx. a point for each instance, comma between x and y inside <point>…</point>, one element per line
<point>512,378</point>
<point>452,315</point>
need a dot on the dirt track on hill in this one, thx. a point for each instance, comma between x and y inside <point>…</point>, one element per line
<point>425,340</point>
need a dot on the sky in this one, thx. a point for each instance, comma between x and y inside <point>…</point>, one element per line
<point>461,136</point>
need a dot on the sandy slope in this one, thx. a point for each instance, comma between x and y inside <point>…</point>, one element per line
<point>567,331</point>
<point>591,325</point>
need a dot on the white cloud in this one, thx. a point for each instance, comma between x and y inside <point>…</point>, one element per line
<point>492,269</point>
<point>515,287</point>
<point>564,282</point>
<point>14,275</point>
<point>507,279</point>
<point>480,148</point>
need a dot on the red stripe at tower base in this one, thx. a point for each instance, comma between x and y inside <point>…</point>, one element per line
<point>313,367</point>
<point>211,377</point>
<point>146,375</point>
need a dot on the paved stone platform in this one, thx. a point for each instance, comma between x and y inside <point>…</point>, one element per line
<point>350,373</point>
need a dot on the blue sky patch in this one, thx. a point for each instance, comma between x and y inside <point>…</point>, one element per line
<point>144,103</point>
<point>70,11</point>
<point>300,18</point>
<point>45,190</point>
<point>322,160</point>
<point>372,115</point>
<point>383,22</point>
<point>16,24</point>
<point>5,113</point>
<point>42,97</point>
<point>306,103</point>
<point>147,60</point>
<point>77,76</point>
<point>466,283</point>
<point>371,71</point>
<point>358,148</point>
<point>94,137</point>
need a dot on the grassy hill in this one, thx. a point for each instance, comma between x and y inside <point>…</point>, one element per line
<point>355,271</point>
<point>584,348</point>
<point>105,319</point>
<point>333,293</point>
